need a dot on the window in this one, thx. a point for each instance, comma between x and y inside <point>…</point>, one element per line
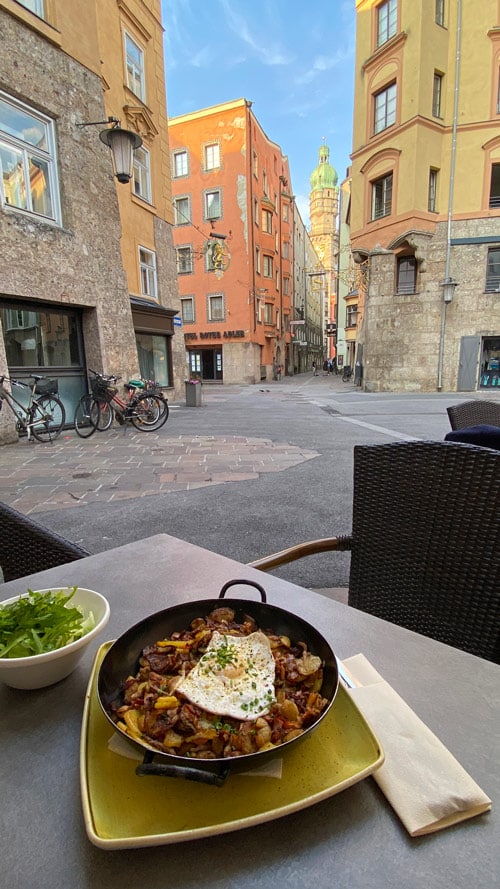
<point>432,196</point>
<point>265,187</point>
<point>212,156</point>
<point>495,187</point>
<point>268,313</point>
<point>286,212</point>
<point>286,250</point>
<point>28,161</point>
<point>257,260</point>
<point>184,260</point>
<point>255,164</point>
<point>180,164</point>
<point>134,61</point>
<point>267,265</point>
<point>440,12</point>
<point>387,21</point>
<point>147,267</point>
<point>182,211</point>
<point>351,317</point>
<point>256,211</point>
<point>406,274</point>
<point>35,6</point>
<point>436,94</point>
<point>212,204</point>
<point>154,355</point>
<point>493,271</point>
<point>286,286</point>
<point>385,108</point>
<point>142,176</point>
<point>216,307</point>
<point>187,309</point>
<point>382,197</point>
<point>267,221</point>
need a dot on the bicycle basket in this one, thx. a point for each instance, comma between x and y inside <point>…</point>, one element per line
<point>47,387</point>
<point>101,388</point>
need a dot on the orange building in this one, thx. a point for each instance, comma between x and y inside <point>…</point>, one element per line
<point>233,232</point>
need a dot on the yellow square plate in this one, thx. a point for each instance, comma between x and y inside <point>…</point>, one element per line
<point>124,811</point>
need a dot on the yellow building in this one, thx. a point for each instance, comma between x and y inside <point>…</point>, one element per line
<point>425,206</point>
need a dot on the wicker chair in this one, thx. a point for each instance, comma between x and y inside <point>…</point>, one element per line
<point>425,542</point>
<point>27,547</point>
<point>474,413</point>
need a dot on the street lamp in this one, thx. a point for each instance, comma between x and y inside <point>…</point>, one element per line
<point>448,286</point>
<point>122,144</point>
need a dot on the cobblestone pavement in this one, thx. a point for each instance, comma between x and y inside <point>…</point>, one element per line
<point>120,465</point>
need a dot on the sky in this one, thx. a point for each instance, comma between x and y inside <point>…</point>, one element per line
<point>292,59</point>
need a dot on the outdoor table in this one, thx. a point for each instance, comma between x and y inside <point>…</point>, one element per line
<point>353,839</point>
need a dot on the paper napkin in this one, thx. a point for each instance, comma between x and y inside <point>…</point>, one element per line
<point>424,783</point>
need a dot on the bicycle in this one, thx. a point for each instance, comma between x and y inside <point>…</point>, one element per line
<point>43,417</point>
<point>107,413</point>
<point>146,409</point>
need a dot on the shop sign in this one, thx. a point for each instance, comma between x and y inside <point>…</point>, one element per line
<point>214,335</point>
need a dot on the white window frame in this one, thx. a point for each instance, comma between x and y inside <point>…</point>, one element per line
<point>207,210</point>
<point>268,313</point>
<point>437,94</point>
<point>267,266</point>
<point>188,309</point>
<point>217,315</point>
<point>257,260</point>
<point>147,272</point>
<point>385,107</point>
<point>432,194</point>
<point>29,155</point>
<point>267,221</point>
<point>184,257</point>
<point>180,163</point>
<point>181,218</point>
<point>440,13</point>
<point>134,67</point>
<point>211,156</point>
<point>387,21</point>
<point>34,6</point>
<point>382,189</point>
<point>142,174</point>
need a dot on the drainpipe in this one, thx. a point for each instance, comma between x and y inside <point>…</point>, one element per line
<point>450,196</point>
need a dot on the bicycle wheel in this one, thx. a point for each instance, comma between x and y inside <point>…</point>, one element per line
<point>150,412</point>
<point>86,416</point>
<point>48,417</point>
<point>106,416</point>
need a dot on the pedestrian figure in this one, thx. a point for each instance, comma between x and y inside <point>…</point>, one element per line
<point>278,372</point>
<point>315,373</point>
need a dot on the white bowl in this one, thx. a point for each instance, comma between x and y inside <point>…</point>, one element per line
<point>41,670</point>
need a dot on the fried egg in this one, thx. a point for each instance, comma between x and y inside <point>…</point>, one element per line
<point>235,677</point>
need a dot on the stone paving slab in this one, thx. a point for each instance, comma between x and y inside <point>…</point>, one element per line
<point>71,471</point>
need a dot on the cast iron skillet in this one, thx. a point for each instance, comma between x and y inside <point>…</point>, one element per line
<point>121,661</point>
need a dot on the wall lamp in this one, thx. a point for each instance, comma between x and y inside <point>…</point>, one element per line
<point>448,286</point>
<point>122,144</point>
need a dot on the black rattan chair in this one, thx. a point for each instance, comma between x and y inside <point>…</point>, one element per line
<point>27,547</point>
<point>425,542</point>
<point>474,413</point>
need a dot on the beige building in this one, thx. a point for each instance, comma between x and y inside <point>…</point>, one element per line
<point>88,275</point>
<point>425,205</point>
<point>323,213</point>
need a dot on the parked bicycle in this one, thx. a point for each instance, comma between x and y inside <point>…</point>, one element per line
<point>347,374</point>
<point>133,387</point>
<point>146,408</point>
<point>44,415</point>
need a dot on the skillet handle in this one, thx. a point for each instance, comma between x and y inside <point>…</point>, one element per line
<point>248,583</point>
<point>149,767</point>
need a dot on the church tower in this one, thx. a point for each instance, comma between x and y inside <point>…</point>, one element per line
<point>323,214</point>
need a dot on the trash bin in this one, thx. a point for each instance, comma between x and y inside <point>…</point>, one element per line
<point>193,393</point>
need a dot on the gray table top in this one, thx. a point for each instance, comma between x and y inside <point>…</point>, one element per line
<point>353,839</point>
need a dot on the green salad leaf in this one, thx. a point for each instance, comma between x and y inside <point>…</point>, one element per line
<point>40,622</point>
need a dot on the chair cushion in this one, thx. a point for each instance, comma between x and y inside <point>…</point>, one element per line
<point>483,435</point>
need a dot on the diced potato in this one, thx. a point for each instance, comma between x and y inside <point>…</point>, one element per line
<point>166,702</point>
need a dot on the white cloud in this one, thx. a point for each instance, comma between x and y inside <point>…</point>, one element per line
<point>269,54</point>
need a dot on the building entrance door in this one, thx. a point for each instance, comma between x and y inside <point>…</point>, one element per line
<point>208,362</point>
<point>467,364</point>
